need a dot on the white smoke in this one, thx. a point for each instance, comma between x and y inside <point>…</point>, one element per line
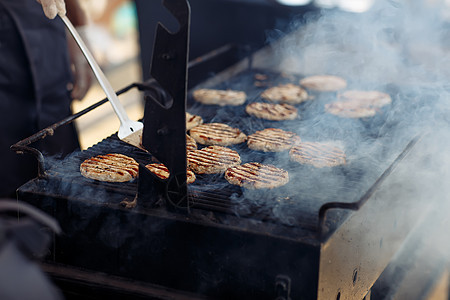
<point>401,47</point>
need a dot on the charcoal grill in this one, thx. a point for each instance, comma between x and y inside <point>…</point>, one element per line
<point>327,234</point>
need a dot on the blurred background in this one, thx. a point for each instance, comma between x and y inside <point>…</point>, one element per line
<point>113,37</point>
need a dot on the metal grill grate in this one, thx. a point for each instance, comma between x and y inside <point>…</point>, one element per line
<point>296,204</point>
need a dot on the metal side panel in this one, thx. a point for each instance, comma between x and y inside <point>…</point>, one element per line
<point>356,254</point>
<point>179,253</point>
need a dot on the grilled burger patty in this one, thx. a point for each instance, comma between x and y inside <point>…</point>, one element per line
<point>272,111</point>
<point>358,104</point>
<point>366,98</point>
<point>287,93</point>
<point>350,109</point>
<point>162,172</point>
<point>192,121</point>
<point>257,176</point>
<point>110,167</point>
<point>191,144</point>
<point>217,134</point>
<point>219,97</point>
<point>212,159</point>
<point>318,154</point>
<point>272,140</point>
<point>324,83</point>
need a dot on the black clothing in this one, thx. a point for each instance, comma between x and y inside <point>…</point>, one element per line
<point>34,76</point>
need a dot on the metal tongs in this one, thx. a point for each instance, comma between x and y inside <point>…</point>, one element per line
<point>129,131</point>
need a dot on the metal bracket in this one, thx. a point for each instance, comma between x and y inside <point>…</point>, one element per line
<point>164,133</point>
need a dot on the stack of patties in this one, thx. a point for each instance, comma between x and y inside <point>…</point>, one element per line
<point>317,154</point>
<point>358,104</point>
<point>219,97</point>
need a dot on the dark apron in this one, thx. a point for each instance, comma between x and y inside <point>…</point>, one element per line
<point>34,75</point>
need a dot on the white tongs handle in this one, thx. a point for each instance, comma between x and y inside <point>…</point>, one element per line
<point>106,86</point>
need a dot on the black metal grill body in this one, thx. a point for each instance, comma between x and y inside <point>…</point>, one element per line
<point>233,243</point>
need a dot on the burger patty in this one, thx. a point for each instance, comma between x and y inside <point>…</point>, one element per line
<point>191,144</point>
<point>324,83</point>
<point>287,93</point>
<point>350,109</point>
<point>192,121</point>
<point>255,175</point>
<point>272,140</point>
<point>318,154</point>
<point>111,167</point>
<point>272,111</point>
<point>212,159</point>
<point>366,98</point>
<point>219,97</point>
<point>162,172</point>
<point>358,104</point>
<point>217,134</point>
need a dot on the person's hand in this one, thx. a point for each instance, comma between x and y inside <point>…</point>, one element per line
<point>53,7</point>
<point>82,73</point>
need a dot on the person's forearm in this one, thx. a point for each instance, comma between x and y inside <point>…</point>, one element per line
<point>75,13</point>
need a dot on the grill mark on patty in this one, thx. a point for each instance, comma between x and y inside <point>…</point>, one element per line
<point>213,159</point>
<point>214,130</point>
<point>263,139</point>
<point>209,156</point>
<point>191,118</point>
<point>161,170</point>
<point>110,167</point>
<point>273,110</point>
<point>272,140</point>
<point>279,137</point>
<point>113,165</point>
<point>318,153</point>
<point>256,175</point>
<point>191,144</point>
<point>285,92</point>
<point>192,121</point>
<point>97,170</point>
<point>253,172</point>
<point>208,160</point>
<point>217,134</point>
